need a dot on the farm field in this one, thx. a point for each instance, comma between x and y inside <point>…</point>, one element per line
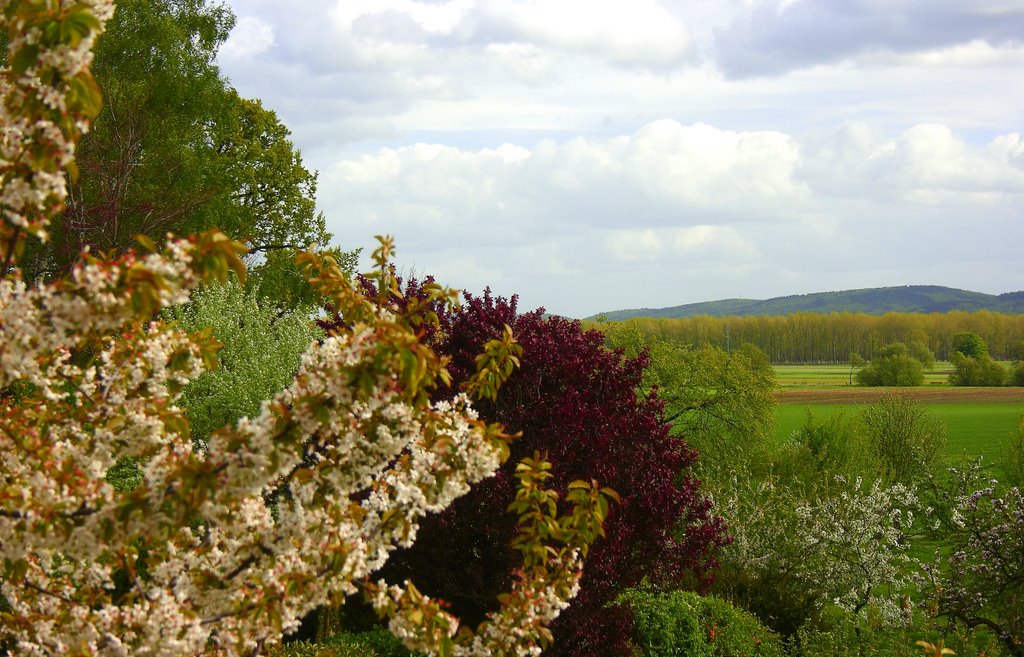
<point>831,375</point>
<point>978,420</point>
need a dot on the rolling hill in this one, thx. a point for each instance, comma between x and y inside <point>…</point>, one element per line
<point>872,301</point>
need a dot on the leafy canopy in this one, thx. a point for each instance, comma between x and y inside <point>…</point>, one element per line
<point>176,149</point>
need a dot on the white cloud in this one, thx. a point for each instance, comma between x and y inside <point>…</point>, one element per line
<point>249,38</point>
<point>431,17</point>
<point>775,36</point>
<point>703,244</point>
<point>641,32</point>
<point>927,163</point>
<point>697,200</point>
<point>664,174</point>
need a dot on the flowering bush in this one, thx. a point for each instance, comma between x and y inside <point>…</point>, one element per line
<point>980,581</point>
<point>194,559</point>
<point>795,551</point>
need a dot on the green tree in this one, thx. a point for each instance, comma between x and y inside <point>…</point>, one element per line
<point>856,362</point>
<point>799,548</point>
<point>969,344</point>
<point>722,403</point>
<point>920,351</point>
<point>1017,375</point>
<point>979,580</point>
<point>176,149</point>
<point>893,366</point>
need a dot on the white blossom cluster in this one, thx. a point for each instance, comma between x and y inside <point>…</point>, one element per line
<point>514,629</point>
<point>847,546</point>
<point>857,541</point>
<point>31,132</point>
<point>517,629</point>
<point>221,570</point>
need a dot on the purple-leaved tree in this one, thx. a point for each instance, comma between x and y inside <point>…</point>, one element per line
<point>576,403</point>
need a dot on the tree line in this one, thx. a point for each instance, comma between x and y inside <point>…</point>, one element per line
<point>832,337</point>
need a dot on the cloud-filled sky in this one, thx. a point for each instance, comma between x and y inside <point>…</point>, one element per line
<point>595,155</point>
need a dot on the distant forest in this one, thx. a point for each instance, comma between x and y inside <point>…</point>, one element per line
<point>831,337</point>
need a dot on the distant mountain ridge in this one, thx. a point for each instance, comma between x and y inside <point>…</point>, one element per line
<point>871,301</point>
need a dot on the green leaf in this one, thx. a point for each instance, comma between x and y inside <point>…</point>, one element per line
<point>24,59</point>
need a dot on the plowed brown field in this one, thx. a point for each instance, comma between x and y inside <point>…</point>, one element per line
<point>855,395</point>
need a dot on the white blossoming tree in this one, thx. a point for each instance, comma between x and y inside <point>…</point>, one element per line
<point>796,550</point>
<point>977,580</point>
<point>194,559</point>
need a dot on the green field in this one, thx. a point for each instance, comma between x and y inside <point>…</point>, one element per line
<point>812,376</point>
<point>977,420</point>
<point>972,428</point>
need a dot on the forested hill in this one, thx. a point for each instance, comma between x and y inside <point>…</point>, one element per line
<point>872,301</point>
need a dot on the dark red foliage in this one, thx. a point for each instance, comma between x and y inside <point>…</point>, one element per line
<point>575,402</point>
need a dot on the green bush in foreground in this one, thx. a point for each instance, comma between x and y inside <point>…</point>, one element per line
<point>682,623</point>
<point>374,643</point>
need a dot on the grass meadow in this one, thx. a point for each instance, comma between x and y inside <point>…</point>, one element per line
<point>978,420</point>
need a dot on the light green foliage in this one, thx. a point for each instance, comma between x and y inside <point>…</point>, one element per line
<point>856,362</point>
<point>856,635</point>
<point>125,475</point>
<point>921,353</point>
<point>261,349</point>
<point>684,624</point>
<point>977,371</point>
<point>721,403</point>
<point>279,277</point>
<point>895,365</point>
<point>825,447</point>
<point>906,439</point>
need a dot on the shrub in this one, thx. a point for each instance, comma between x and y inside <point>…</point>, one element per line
<point>977,371</point>
<point>905,438</point>
<point>855,635</point>
<point>262,346</point>
<point>893,366</point>
<point>799,548</point>
<point>1017,375</point>
<point>373,643</point>
<point>835,445</point>
<point>684,624</point>
<point>979,580</point>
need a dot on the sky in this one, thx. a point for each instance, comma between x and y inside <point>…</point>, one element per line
<point>595,155</point>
